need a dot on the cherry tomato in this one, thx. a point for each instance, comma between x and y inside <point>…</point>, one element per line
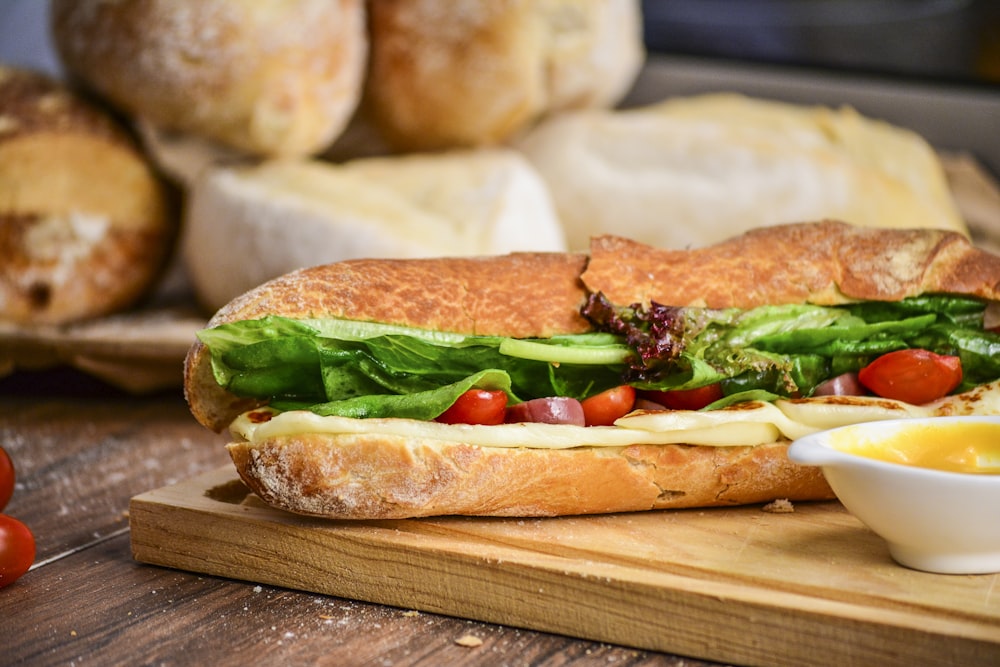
<point>6,478</point>
<point>913,376</point>
<point>17,549</point>
<point>476,406</point>
<point>604,408</point>
<point>687,399</point>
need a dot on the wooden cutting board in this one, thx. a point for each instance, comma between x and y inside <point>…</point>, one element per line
<point>737,585</point>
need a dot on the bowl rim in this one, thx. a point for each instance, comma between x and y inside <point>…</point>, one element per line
<point>820,440</point>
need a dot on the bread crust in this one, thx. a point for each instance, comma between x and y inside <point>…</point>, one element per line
<point>86,225</point>
<point>270,77</point>
<point>825,263</point>
<point>391,477</point>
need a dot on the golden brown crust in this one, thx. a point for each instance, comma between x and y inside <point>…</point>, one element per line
<point>85,223</point>
<point>825,263</point>
<point>272,77</point>
<point>386,477</point>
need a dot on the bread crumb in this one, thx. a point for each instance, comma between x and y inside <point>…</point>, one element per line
<point>469,641</point>
<point>412,612</point>
<point>779,506</point>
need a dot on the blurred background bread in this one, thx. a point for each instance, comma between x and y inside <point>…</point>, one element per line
<point>469,73</point>
<point>85,223</point>
<point>269,77</point>
<point>247,224</point>
<point>691,171</point>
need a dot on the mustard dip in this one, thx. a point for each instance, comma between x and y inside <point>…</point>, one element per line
<point>953,447</point>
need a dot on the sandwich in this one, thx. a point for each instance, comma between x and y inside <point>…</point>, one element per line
<point>628,378</point>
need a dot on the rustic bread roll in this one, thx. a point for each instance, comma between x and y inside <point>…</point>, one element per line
<point>271,77</point>
<point>694,171</point>
<point>248,224</point>
<point>85,224</point>
<point>469,73</point>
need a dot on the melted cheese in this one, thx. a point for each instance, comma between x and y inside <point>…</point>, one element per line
<point>751,423</point>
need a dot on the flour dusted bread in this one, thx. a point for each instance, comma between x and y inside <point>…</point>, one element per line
<point>692,171</point>
<point>268,77</point>
<point>246,224</point>
<point>85,223</point>
<point>470,73</point>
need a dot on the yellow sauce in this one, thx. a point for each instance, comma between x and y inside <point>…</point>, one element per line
<point>969,448</point>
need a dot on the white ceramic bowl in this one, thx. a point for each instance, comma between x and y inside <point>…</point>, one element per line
<point>932,520</point>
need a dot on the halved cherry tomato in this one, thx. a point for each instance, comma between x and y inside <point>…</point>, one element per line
<point>17,549</point>
<point>476,406</point>
<point>604,408</point>
<point>686,399</point>
<point>914,376</point>
<point>6,478</point>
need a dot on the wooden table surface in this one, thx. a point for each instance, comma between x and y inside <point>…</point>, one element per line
<point>81,451</point>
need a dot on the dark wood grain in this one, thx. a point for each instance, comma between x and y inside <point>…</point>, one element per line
<point>81,456</point>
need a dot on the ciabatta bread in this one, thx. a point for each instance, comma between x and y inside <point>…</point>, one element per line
<point>85,223</point>
<point>247,224</point>
<point>693,171</point>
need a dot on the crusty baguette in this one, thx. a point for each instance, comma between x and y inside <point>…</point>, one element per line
<point>378,475</point>
<point>395,477</point>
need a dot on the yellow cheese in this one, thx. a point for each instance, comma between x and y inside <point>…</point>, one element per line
<point>750,423</point>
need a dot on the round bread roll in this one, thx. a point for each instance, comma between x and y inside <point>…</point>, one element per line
<point>692,171</point>
<point>469,73</point>
<point>247,224</point>
<point>85,223</point>
<point>270,77</point>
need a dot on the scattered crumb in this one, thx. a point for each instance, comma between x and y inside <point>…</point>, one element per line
<point>779,506</point>
<point>412,612</point>
<point>469,641</point>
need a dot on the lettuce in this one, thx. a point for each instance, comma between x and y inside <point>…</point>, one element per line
<point>360,369</point>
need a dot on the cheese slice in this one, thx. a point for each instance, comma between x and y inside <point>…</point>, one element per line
<point>743,424</point>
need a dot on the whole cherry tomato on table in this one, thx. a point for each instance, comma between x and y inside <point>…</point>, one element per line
<point>17,549</point>
<point>914,376</point>
<point>6,478</point>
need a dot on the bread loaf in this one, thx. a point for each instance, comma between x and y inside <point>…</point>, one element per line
<point>245,225</point>
<point>85,223</point>
<point>469,73</point>
<point>270,77</point>
<point>689,172</point>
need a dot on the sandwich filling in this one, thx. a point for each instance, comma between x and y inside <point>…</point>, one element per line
<point>770,365</point>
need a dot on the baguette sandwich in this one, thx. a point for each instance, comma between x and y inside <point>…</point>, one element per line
<point>629,378</point>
